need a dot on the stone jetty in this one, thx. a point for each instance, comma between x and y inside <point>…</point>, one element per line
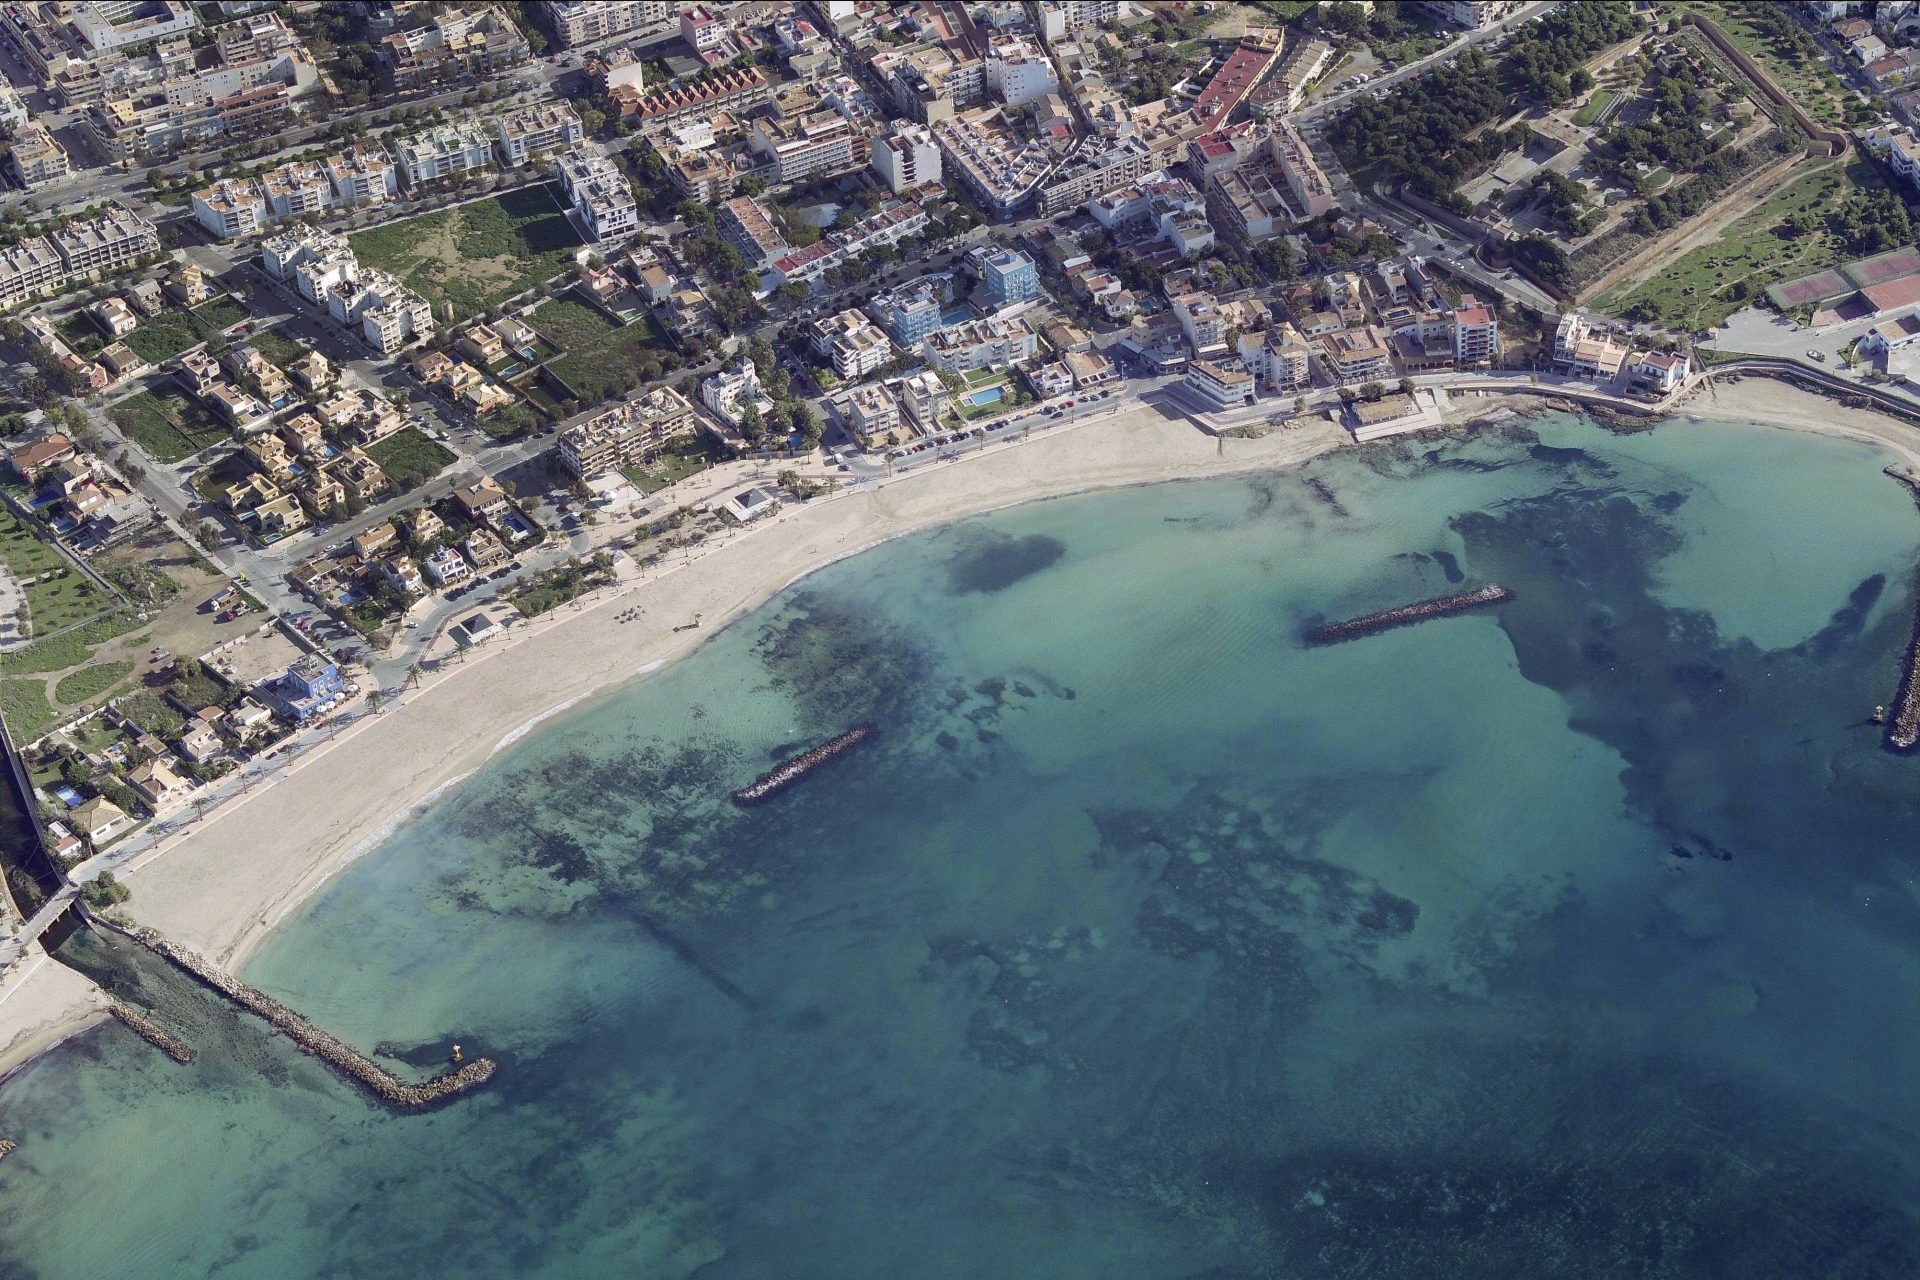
<point>152,1032</point>
<point>7,1146</point>
<point>1903,726</point>
<point>1407,615</point>
<point>788,772</point>
<point>330,1049</point>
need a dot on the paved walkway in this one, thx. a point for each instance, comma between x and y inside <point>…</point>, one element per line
<point>11,598</point>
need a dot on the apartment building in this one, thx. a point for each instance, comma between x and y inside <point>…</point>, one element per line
<point>1278,359</point>
<point>998,166</point>
<point>29,268</point>
<point>530,131</point>
<point>871,413</point>
<point>13,111</point>
<point>449,151</point>
<point>1009,276</point>
<point>992,342</point>
<point>117,236</point>
<point>1124,160</point>
<point>702,30</point>
<point>922,397</point>
<point>460,42</point>
<point>1018,72</point>
<point>1476,332</point>
<point>735,91</point>
<point>1357,355</point>
<point>1471,14</point>
<point>703,175</point>
<point>105,27</point>
<point>363,174</point>
<point>853,343</point>
<point>387,314</point>
<point>314,260</point>
<point>1202,322</point>
<point>630,433</point>
<point>731,393</point>
<point>1222,385</point>
<point>906,156</point>
<point>602,201</point>
<point>929,82</point>
<point>576,22</point>
<point>818,142</point>
<point>1312,195</point>
<point>34,159</point>
<point>745,225</point>
<point>911,312</point>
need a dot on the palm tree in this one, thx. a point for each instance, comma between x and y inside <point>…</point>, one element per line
<point>376,700</point>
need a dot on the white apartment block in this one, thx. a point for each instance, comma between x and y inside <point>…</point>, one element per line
<point>629,433</point>
<point>730,395</point>
<point>363,174</point>
<point>13,112</point>
<point>576,22</point>
<point>34,159</point>
<point>548,126</point>
<point>1279,360</point>
<point>386,313</point>
<point>871,412</point>
<point>116,237</point>
<point>1476,332</point>
<point>1471,14</point>
<point>922,396</point>
<point>315,260</point>
<point>1018,72</point>
<point>856,345</point>
<point>105,27</point>
<point>821,141</point>
<point>907,156</point>
<point>992,342</point>
<point>601,198</point>
<point>28,268</point>
<point>450,151</point>
<point>1221,386</point>
<point>231,207</point>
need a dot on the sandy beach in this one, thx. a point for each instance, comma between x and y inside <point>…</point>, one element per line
<point>221,886</point>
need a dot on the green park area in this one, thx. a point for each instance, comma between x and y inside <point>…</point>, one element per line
<point>471,256</point>
<point>166,336</point>
<point>57,594</point>
<point>1804,226</point>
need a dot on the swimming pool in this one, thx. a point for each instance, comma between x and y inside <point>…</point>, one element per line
<point>985,395</point>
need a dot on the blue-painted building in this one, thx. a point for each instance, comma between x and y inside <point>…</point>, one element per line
<point>1010,276</point>
<point>310,687</point>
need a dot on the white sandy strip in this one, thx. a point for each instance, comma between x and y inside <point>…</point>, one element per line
<point>222,884</point>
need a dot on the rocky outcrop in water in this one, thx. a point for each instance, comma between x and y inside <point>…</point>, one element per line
<point>7,1146</point>
<point>152,1032</point>
<point>794,770</point>
<point>1903,726</point>
<point>1407,615</point>
<point>330,1049</point>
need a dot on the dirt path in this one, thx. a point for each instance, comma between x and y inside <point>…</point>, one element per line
<point>1728,207</point>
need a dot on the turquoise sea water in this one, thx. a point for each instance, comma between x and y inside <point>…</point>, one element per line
<point>1573,938</point>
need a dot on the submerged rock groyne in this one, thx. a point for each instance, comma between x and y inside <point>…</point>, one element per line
<point>7,1146</point>
<point>1407,615</point>
<point>152,1032</point>
<point>330,1049</point>
<point>788,772</point>
<point>1903,726</point>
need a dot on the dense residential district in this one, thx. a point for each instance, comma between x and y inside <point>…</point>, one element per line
<point>341,339</point>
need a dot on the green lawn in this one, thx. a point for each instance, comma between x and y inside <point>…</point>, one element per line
<point>681,457</point>
<point>409,458</point>
<point>150,713</point>
<point>571,323</point>
<point>1704,286</point>
<point>89,683</point>
<point>164,337</point>
<point>1599,102</point>
<point>23,553</point>
<point>68,597</point>
<point>474,255</point>
<point>24,703</point>
<point>166,423</point>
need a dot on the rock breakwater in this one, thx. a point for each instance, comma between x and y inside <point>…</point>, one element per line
<point>1407,615</point>
<point>1903,726</point>
<point>330,1049</point>
<point>793,770</point>
<point>152,1032</point>
<point>7,1146</point>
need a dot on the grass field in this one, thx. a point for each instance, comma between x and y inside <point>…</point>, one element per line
<point>409,458</point>
<point>681,457</point>
<point>90,682</point>
<point>615,365</point>
<point>1599,102</point>
<point>24,703</point>
<point>164,337</point>
<point>63,600</point>
<point>166,423</point>
<point>281,350</point>
<point>571,323</point>
<point>217,316</point>
<point>1696,290</point>
<point>67,650</point>
<point>474,255</point>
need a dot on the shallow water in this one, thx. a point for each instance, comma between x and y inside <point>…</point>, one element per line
<point>1574,937</point>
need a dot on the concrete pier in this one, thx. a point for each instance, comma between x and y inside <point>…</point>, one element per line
<point>788,772</point>
<point>330,1049</point>
<point>154,1034</point>
<point>1407,615</point>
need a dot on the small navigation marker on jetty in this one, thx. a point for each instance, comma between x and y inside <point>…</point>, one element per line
<point>791,771</point>
<point>1879,713</point>
<point>456,1054</point>
<point>1408,614</point>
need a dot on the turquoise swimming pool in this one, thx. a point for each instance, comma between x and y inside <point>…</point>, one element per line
<point>985,395</point>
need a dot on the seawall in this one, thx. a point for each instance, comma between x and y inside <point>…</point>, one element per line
<point>1407,615</point>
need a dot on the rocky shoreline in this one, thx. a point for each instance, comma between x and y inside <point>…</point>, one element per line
<point>330,1049</point>
<point>152,1032</point>
<point>1407,615</point>
<point>1903,726</point>
<point>788,772</point>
